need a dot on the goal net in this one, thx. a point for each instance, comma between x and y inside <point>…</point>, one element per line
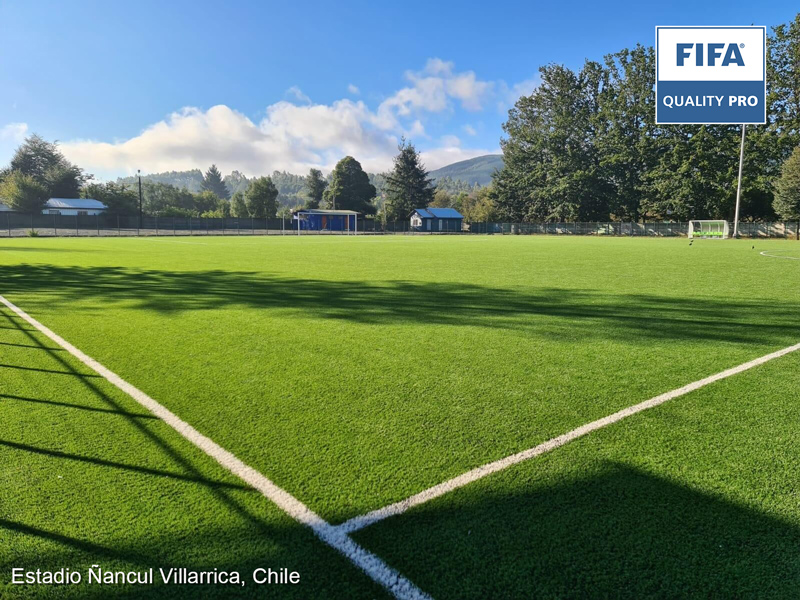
<point>712,230</point>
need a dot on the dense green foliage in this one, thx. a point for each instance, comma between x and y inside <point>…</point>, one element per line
<point>584,145</point>
<point>262,198</point>
<point>408,186</point>
<point>212,182</point>
<point>23,192</point>
<point>239,205</point>
<point>349,188</point>
<point>315,185</point>
<point>119,198</point>
<point>44,162</point>
<point>787,188</point>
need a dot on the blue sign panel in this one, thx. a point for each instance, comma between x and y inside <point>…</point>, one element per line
<point>711,75</point>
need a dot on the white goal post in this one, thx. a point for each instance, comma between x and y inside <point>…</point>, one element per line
<point>710,230</point>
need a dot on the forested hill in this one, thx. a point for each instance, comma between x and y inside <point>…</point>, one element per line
<point>475,171</point>
<point>460,176</point>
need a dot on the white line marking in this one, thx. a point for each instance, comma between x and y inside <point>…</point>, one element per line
<point>766,253</point>
<point>397,508</point>
<point>370,563</point>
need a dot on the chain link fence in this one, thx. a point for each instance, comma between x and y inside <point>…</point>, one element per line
<point>14,224</point>
<point>780,229</point>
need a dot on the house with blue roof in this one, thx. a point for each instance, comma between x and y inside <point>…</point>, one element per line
<point>436,220</point>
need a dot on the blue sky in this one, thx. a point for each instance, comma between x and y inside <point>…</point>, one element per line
<point>258,86</point>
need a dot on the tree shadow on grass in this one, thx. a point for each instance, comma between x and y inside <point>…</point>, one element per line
<point>621,533</point>
<point>251,532</point>
<point>579,313</point>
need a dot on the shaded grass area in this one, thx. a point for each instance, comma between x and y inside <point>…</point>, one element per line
<point>590,313</point>
<point>365,370</point>
<point>696,498</point>
<point>87,477</point>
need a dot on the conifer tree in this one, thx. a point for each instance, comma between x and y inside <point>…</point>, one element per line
<point>407,186</point>
<point>212,182</point>
<point>315,187</point>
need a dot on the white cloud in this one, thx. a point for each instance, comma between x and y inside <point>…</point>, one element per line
<point>353,89</point>
<point>523,88</point>
<point>508,95</point>
<point>469,129</point>
<point>433,88</point>
<point>290,137</point>
<point>295,134</point>
<point>14,131</point>
<point>296,93</point>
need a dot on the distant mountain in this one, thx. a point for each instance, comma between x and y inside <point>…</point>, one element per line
<point>473,171</point>
<point>460,176</point>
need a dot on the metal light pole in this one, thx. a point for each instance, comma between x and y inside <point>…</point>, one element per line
<point>139,173</point>
<point>739,188</point>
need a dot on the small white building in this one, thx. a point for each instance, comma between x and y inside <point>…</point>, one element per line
<point>68,206</point>
<point>73,206</point>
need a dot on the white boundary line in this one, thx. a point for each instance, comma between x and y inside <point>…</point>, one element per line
<point>767,254</point>
<point>368,562</point>
<point>397,508</point>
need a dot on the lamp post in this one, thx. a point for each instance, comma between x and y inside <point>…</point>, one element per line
<point>139,174</point>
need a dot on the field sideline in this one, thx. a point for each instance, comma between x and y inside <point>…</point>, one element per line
<point>356,372</point>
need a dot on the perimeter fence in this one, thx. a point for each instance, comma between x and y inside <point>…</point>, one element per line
<point>15,224</point>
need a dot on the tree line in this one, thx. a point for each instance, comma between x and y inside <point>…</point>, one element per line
<point>584,146</point>
<point>39,171</point>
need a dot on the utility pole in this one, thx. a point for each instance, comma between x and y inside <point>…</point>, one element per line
<point>139,173</point>
<point>739,188</point>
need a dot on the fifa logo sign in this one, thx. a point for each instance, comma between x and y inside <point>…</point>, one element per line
<point>732,54</point>
<point>711,75</point>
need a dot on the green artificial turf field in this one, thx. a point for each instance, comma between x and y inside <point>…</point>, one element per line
<point>357,371</point>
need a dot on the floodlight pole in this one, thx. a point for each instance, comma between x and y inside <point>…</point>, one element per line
<point>139,173</point>
<point>739,188</point>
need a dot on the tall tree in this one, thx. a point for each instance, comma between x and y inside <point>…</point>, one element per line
<point>23,192</point>
<point>262,198</point>
<point>45,163</point>
<point>552,167</point>
<point>787,188</point>
<point>212,182</point>
<point>350,188</point>
<point>315,188</point>
<point>407,185</point>
<point>626,131</point>
<point>239,205</point>
<point>695,176</point>
<point>783,89</point>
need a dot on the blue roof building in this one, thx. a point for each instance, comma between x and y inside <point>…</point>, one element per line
<point>315,219</point>
<point>436,220</point>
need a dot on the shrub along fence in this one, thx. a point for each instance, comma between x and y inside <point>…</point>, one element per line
<point>780,229</point>
<point>14,224</point>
